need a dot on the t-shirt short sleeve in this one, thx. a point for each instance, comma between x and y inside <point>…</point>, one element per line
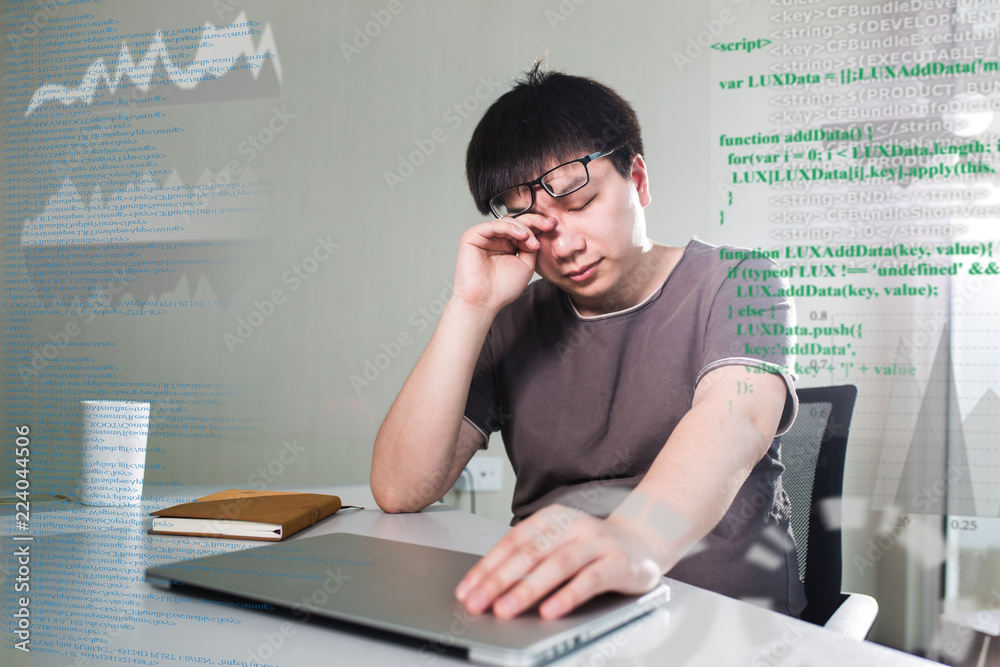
<point>752,324</point>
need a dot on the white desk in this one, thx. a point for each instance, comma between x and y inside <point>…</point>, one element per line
<point>89,601</point>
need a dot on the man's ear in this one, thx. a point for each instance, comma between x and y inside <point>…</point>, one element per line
<point>641,179</point>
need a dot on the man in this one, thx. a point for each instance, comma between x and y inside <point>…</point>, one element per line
<point>637,397</point>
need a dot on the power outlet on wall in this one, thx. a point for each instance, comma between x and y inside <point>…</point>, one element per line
<point>487,474</point>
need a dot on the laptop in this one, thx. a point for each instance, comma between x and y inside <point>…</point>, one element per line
<point>401,588</point>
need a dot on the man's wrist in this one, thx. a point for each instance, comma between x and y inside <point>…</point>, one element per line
<point>468,314</point>
<point>661,528</point>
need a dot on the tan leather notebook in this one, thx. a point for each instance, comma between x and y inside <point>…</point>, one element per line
<point>246,514</point>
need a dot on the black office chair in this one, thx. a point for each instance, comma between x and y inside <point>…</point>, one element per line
<point>813,452</point>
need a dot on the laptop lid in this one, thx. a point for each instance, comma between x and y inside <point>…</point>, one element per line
<point>398,587</point>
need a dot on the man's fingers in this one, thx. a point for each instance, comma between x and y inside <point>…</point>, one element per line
<point>611,570</point>
<point>475,588</point>
<point>592,580</point>
<point>539,224</point>
<point>519,234</point>
<point>552,571</point>
<point>507,562</point>
<point>513,557</point>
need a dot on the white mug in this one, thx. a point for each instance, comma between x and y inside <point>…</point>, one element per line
<point>114,452</point>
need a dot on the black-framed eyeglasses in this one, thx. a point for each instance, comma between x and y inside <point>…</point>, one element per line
<point>559,181</point>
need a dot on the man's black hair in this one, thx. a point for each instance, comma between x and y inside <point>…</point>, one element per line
<point>548,116</point>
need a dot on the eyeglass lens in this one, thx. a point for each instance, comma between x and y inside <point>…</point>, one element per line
<point>561,181</point>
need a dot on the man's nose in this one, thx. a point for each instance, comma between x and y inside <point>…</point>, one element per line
<point>564,240</point>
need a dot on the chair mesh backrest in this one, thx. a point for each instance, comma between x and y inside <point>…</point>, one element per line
<point>813,452</point>
<point>800,452</point>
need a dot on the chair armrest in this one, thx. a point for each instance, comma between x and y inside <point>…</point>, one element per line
<point>855,616</point>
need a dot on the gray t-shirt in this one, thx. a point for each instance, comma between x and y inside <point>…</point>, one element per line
<point>585,404</point>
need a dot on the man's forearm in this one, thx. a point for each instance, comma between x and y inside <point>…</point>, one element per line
<point>706,460</point>
<point>415,450</point>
